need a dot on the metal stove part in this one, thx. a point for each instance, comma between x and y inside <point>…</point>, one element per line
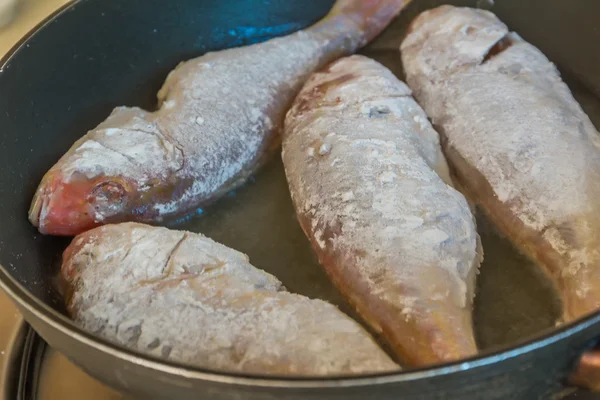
<point>30,370</point>
<point>29,367</point>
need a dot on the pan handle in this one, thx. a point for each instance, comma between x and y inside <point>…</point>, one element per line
<point>587,371</point>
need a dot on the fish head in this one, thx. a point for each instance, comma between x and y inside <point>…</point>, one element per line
<point>118,172</point>
<point>68,205</point>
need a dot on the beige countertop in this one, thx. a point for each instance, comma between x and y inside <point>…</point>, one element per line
<point>29,14</point>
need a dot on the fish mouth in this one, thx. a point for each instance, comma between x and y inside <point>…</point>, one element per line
<point>69,206</point>
<point>38,210</point>
<point>58,209</point>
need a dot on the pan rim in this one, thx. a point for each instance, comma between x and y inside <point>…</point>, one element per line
<point>60,322</point>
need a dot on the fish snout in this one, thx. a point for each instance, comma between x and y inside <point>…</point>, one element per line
<point>61,208</point>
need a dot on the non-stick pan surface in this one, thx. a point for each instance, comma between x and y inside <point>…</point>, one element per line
<point>97,54</point>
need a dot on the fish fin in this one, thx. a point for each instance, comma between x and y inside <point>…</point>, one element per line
<point>370,16</point>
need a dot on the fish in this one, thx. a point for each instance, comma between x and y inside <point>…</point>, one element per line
<point>183,297</point>
<point>374,196</point>
<point>219,120</point>
<point>523,148</point>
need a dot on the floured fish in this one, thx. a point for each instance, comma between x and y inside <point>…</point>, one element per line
<point>373,194</point>
<point>520,143</point>
<point>183,297</point>
<point>219,119</point>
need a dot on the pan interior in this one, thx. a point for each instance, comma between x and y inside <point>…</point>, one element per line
<point>66,79</point>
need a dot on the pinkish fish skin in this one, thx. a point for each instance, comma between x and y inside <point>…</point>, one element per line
<point>219,119</point>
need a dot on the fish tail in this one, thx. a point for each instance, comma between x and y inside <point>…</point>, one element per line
<point>367,17</point>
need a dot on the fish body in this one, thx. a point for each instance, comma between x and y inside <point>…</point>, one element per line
<point>373,194</point>
<point>183,297</point>
<point>219,119</point>
<point>521,145</point>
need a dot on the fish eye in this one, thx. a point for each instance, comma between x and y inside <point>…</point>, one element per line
<point>108,194</point>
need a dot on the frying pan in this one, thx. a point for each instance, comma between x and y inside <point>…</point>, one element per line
<point>93,55</point>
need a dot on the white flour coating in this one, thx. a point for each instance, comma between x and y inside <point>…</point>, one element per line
<point>129,143</point>
<point>378,200</point>
<point>240,95</point>
<point>511,118</point>
<point>182,296</point>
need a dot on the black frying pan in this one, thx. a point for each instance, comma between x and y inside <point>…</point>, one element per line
<point>68,74</point>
